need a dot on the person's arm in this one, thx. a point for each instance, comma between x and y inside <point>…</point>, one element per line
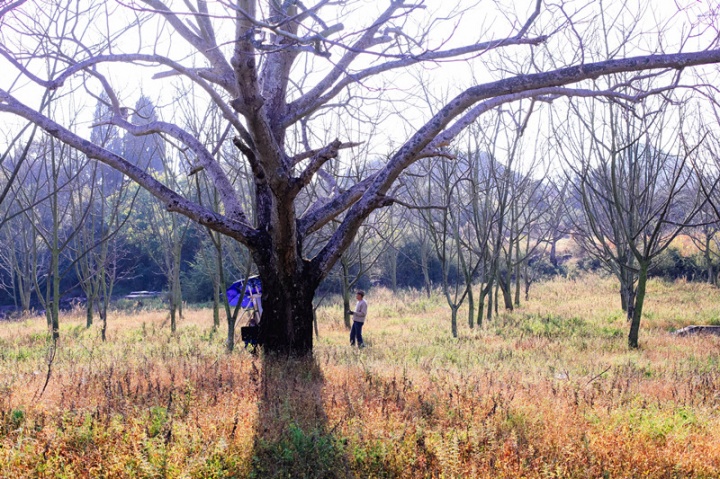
<point>361,310</point>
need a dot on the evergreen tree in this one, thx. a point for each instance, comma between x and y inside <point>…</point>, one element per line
<point>146,152</point>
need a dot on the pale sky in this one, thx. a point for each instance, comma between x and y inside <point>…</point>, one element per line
<point>489,19</point>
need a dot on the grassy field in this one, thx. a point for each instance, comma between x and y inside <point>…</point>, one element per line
<point>550,390</point>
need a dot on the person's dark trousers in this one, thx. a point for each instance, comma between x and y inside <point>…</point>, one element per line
<point>356,334</point>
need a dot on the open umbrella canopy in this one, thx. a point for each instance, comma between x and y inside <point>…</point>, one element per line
<point>239,292</point>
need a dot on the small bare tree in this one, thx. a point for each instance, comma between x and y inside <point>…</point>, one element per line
<point>637,190</point>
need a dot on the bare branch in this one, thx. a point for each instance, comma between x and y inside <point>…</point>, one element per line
<point>174,202</point>
<point>521,86</point>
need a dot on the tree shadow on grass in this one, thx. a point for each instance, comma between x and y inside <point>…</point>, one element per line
<point>292,437</point>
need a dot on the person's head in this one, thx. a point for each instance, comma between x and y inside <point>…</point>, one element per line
<point>360,295</point>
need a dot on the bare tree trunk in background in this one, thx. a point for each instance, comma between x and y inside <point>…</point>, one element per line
<point>424,257</point>
<point>638,306</point>
<point>517,274</point>
<point>345,281</point>
<point>504,283</point>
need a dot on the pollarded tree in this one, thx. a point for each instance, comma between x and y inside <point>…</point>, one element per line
<point>271,66</point>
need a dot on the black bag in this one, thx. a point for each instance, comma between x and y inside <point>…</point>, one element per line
<point>249,334</point>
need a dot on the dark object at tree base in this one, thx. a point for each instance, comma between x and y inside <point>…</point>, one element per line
<point>694,330</point>
<point>249,334</point>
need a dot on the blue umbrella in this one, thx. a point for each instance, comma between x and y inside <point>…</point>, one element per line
<point>237,290</point>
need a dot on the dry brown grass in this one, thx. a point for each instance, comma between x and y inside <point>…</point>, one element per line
<point>550,390</point>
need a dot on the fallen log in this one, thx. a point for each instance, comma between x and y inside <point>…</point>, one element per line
<point>694,330</point>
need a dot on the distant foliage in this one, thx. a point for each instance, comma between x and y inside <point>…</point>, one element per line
<point>672,265</point>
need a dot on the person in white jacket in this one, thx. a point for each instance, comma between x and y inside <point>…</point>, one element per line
<point>358,320</point>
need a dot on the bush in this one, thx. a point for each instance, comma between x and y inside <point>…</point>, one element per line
<point>672,265</point>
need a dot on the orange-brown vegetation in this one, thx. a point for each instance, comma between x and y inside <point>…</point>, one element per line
<point>550,390</point>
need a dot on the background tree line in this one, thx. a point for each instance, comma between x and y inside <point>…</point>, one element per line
<point>481,223</point>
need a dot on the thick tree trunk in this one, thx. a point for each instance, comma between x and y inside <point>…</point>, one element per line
<point>173,316</point>
<point>287,321</point>
<point>89,312</point>
<point>453,320</point>
<point>103,319</point>
<point>627,293</point>
<point>230,341</point>
<point>288,288</point>
<point>25,291</point>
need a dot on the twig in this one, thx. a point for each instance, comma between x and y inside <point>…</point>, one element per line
<point>50,361</point>
<point>597,376</point>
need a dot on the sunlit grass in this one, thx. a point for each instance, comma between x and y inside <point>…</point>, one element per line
<point>550,390</point>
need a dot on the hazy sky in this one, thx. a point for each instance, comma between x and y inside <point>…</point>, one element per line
<point>401,100</point>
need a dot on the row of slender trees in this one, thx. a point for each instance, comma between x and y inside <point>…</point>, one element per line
<point>481,222</point>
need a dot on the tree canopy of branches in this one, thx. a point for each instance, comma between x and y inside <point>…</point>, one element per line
<point>635,196</point>
<point>287,76</point>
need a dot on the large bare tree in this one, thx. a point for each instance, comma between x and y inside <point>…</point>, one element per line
<point>282,73</point>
